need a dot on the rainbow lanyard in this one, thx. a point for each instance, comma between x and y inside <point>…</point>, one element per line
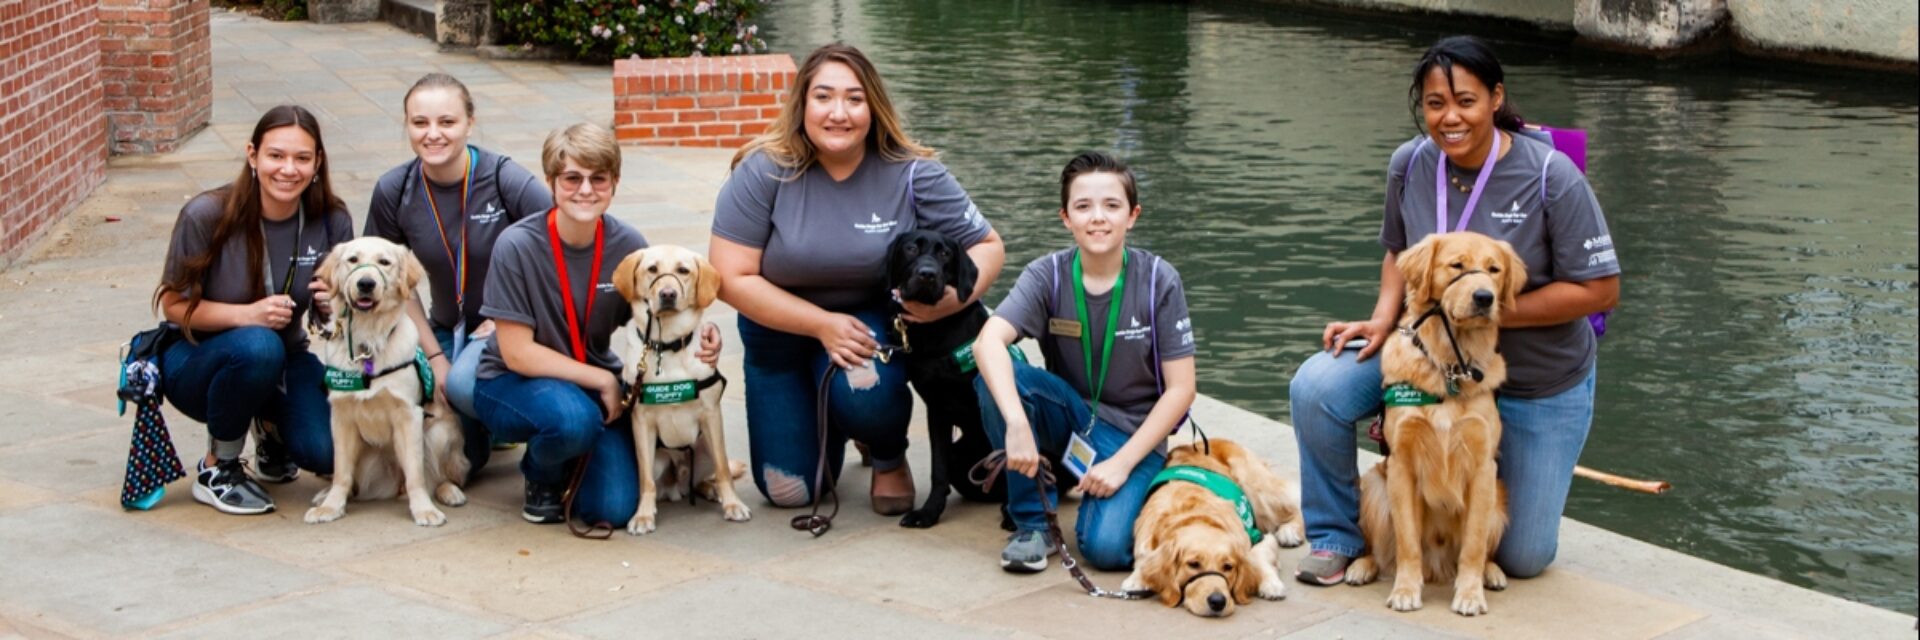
<point>459,260</point>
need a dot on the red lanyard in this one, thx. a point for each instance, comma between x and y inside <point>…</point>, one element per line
<point>459,260</point>
<point>566,287</point>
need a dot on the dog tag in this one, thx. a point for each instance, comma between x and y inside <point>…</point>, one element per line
<point>1079,457</point>
<point>1063,327</point>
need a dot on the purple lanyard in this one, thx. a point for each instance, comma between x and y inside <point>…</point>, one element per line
<point>1479,185</point>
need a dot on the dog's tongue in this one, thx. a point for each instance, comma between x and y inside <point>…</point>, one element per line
<point>363,304</point>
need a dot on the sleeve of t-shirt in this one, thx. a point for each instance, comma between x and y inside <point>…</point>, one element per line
<point>190,237</point>
<point>1393,229</point>
<point>383,209</point>
<point>1025,307</point>
<point>941,205</point>
<point>1577,229</point>
<point>743,212</point>
<point>1173,328</point>
<point>520,191</point>
<point>508,296</point>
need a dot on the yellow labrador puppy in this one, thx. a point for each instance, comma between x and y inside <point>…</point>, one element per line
<point>675,396</point>
<point>387,427</point>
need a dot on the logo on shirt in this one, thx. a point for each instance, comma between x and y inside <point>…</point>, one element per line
<point>1598,242</point>
<point>309,258</point>
<point>1512,215</point>
<point>1134,331</point>
<point>1602,257</point>
<point>1183,324</point>
<point>974,219</point>
<point>604,287</point>
<point>875,225</point>
<point>487,215</point>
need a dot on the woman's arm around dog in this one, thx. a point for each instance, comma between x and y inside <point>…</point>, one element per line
<point>1386,311</point>
<point>843,336</point>
<point>989,256</point>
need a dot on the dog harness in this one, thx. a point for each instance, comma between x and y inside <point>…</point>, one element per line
<point>675,392</point>
<point>963,357</point>
<point>1404,394</point>
<point>337,379</point>
<point>1220,485</point>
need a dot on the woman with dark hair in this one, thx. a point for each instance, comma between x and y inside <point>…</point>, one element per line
<point>1487,180</point>
<point>800,235</point>
<point>236,283</point>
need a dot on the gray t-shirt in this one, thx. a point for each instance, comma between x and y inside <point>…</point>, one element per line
<point>502,193</point>
<point>230,276</point>
<point>1154,306</point>
<point>1563,238</point>
<point>525,288</point>
<point>826,241</point>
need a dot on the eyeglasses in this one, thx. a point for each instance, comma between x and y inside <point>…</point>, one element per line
<point>572,181</point>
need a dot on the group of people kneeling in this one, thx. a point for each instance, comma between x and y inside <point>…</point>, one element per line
<point>801,229</point>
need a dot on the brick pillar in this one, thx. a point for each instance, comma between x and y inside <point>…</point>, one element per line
<point>157,69</point>
<point>53,151</point>
<point>698,102</point>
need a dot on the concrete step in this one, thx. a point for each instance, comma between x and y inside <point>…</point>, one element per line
<point>412,16</point>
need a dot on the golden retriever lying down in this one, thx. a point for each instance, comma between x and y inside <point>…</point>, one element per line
<point>1192,546</point>
<point>387,427</point>
<point>676,396</point>
<point>1434,509</point>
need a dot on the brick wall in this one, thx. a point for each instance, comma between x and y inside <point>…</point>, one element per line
<point>52,148</point>
<point>698,102</point>
<point>156,64</point>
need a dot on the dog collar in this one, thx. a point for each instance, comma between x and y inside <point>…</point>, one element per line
<point>1220,485</point>
<point>1404,394</point>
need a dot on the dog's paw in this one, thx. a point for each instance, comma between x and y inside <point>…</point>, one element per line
<point>738,469</point>
<point>1470,600</point>
<point>1291,534</point>
<point>736,511</point>
<point>321,496</point>
<point>1496,579</point>
<point>708,490</point>
<point>1363,570</point>
<point>450,494</point>
<point>1404,598</point>
<point>318,515</point>
<point>1134,582</point>
<point>429,517</point>
<point>641,524</point>
<point>922,518</point>
<point>1272,587</point>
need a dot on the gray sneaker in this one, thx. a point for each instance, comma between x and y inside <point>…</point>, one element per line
<point>227,487</point>
<point>1323,568</point>
<point>1026,552</point>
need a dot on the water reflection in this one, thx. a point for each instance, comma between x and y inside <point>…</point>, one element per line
<point>1764,358</point>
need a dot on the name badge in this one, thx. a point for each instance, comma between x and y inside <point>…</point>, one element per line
<point>1063,327</point>
<point>1079,457</point>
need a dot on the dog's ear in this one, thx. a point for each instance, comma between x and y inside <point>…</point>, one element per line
<point>412,272</point>
<point>324,273</point>
<point>1157,573</point>
<point>1243,580</point>
<point>707,288</point>
<point>1513,272</point>
<point>894,264</point>
<point>965,273</point>
<point>623,275</point>
<point>1416,267</point>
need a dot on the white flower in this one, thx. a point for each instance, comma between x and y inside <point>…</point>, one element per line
<point>622,27</point>
<point>702,8</point>
<point>753,29</point>
<point>643,9</point>
<point>680,20</point>
<point>734,49</point>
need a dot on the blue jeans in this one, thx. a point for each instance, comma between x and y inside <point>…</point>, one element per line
<point>1540,441</point>
<point>233,377</point>
<point>1104,530</point>
<point>783,374</point>
<point>462,374</point>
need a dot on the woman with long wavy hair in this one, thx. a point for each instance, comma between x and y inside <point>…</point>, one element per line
<point>236,284</point>
<point>800,235</point>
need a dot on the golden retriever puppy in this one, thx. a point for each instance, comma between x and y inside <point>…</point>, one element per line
<point>1195,547</point>
<point>1434,509</point>
<point>676,397</point>
<point>389,432</point>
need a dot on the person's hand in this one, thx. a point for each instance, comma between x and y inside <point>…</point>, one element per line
<point>709,352</point>
<point>485,329</point>
<point>1105,478</point>
<point>610,398</point>
<point>272,312</point>
<point>440,364</point>
<point>1338,333</point>
<point>918,313</point>
<point>847,341</point>
<point>320,291</point>
<point>1023,457</point>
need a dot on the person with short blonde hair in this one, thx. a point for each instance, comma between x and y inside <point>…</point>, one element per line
<point>591,146</point>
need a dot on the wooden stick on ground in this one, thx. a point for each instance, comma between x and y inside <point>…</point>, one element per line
<point>1655,487</point>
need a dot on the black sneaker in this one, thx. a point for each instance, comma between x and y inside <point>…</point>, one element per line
<point>271,462</point>
<point>544,504</point>
<point>227,487</point>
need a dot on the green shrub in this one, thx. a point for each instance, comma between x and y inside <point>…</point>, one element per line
<point>602,29</point>
<point>269,9</point>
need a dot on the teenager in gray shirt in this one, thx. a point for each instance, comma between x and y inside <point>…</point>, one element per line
<point>448,205</point>
<point>1535,199</point>
<point>1112,321</point>
<point>236,281</point>
<point>800,235</point>
<point>549,377</point>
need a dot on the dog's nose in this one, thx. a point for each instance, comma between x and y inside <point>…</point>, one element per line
<point>365,285</point>
<point>1217,602</point>
<point>669,296</point>
<point>925,273</point>
<point>1483,298</point>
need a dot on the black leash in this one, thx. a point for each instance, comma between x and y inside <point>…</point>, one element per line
<point>988,470</point>
<point>815,523</point>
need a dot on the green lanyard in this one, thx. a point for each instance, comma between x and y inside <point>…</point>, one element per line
<point>1098,381</point>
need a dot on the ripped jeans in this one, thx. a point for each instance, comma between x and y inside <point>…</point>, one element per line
<point>783,372</point>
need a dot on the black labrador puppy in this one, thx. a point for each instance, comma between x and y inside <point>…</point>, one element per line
<point>920,266</point>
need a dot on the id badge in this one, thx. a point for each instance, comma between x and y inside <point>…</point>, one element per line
<point>1079,456</point>
<point>1063,327</point>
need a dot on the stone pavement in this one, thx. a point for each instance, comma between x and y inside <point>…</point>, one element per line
<point>72,563</point>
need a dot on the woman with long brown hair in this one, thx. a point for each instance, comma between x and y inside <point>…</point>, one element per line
<point>800,235</point>
<point>236,284</point>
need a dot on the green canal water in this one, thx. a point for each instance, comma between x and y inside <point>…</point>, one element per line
<point>1763,358</point>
